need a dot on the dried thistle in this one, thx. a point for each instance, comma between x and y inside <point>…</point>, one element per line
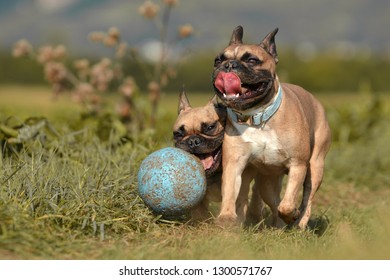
<point>55,72</point>
<point>112,37</point>
<point>149,10</point>
<point>84,89</point>
<point>97,36</point>
<point>114,33</point>
<point>45,54</point>
<point>154,91</point>
<point>82,68</point>
<point>109,41</point>
<point>105,62</point>
<point>81,64</point>
<point>170,2</point>
<point>185,31</point>
<point>102,74</point>
<point>128,87</point>
<point>87,80</point>
<point>22,48</point>
<point>121,50</point>
<point>59,52</point>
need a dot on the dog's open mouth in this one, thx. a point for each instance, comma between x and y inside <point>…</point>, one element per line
<point>232,88</point>
<point>211,161</point>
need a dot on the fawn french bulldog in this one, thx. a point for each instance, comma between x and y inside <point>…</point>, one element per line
<point>272,129</point>
<point>200,131</point>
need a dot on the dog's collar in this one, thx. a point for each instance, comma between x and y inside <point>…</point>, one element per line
<point>260,116</point>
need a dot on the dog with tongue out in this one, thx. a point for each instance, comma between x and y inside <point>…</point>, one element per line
<point>273,129</point>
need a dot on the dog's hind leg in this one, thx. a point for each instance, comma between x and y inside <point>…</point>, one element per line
<point>314,176</point>
<point>312,183</point>
<point>270,188</point>
<point>255,210</point>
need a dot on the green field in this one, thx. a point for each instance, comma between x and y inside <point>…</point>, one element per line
<point>74,196</point>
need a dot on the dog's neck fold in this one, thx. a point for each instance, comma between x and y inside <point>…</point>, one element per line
<point>258,116</point>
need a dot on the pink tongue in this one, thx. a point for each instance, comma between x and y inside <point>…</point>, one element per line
<point>207,162</point>
<point>228,83</point>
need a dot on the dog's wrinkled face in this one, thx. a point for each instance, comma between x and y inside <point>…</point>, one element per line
<point>200,131</point>
<point>244,75</point>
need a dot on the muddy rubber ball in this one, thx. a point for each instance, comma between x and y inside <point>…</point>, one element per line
<point>171,182</point>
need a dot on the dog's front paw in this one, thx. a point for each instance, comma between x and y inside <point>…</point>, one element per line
<point>289,216</point>
<point>227,221</point>
<point>200,214</point>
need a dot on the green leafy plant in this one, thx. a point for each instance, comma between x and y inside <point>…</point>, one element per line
<point>16,134</point>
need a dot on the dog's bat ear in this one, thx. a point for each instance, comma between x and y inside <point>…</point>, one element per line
<point>236,38</point>
<point>184,103</point>
<point>214,101</point>
<point>219,107</point>
<point>269,45</point>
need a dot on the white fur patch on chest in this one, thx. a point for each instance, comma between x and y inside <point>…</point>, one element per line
<point>266,148</point>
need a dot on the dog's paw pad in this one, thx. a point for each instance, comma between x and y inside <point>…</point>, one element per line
<point>290,216</point>
<point>226,221</point>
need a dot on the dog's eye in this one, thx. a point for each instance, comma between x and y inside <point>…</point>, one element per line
<point>179,134</point>
<point>219,59</point>
<point>208,128</point>
<point>217,62</point>
<point>250,58</point>
<point>253,60</point>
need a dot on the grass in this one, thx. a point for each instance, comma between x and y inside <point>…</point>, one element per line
<point>75,197</point>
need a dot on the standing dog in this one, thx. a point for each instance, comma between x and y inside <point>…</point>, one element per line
<point>200,131</point>
<point>272,129</point>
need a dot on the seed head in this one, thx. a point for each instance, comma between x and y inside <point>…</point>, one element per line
<point>97,36</point>
<point>170,2</point>
<point>149,10</point>
<point>128,87</point>
<point>55,72</point>
<point>186,31</point>
<point>22,48</point>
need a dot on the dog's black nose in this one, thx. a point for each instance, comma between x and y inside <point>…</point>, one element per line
<point>194,142</point>
<point>233,64</point>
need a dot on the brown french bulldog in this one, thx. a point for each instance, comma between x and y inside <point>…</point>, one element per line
<point>272,129</point>
<point>200,131</point>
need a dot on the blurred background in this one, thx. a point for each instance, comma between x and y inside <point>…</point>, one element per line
<point>323,45</point>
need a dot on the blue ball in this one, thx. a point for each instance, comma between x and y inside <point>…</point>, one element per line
<point>171,181</point>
